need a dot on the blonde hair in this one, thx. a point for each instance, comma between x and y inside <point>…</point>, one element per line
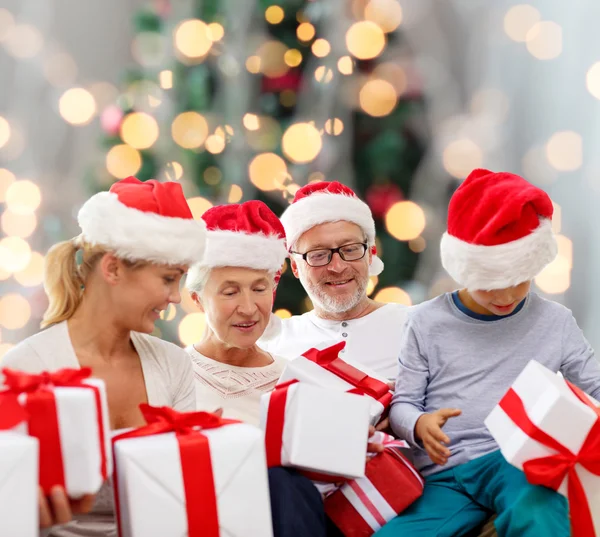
<point>64,279</point>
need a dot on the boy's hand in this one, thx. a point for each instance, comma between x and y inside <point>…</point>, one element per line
<point>428,429</point>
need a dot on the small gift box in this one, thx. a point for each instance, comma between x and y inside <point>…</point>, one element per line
<point>18,476</point>
<point>321,431</point>
<point>67,412</point>
<point>361,507</point>
<point>192,474</point>
<point>550,429</point>
<point>324,367</point>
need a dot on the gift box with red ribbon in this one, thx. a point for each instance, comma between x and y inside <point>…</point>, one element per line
<point>18,476</point>
<point>66,411</point>
<point>192,474</point>
<point>361,507</point>
<point>550,429</point>
<point>322,432</point>
<point>324,367</point>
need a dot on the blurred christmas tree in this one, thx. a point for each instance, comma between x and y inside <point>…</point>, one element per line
<point>253,99</point>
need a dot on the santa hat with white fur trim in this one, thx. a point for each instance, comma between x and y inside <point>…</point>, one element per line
<point>322,202</point>
<point>143,221</point>
<point>499,231</point>
<point>241,235</point>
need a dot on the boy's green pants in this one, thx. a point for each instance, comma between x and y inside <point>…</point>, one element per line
<point>459,500</point>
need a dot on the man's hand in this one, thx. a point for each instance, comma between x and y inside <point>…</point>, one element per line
<point>57,508</point>
<point>372,447</point>
<point>428,429</point>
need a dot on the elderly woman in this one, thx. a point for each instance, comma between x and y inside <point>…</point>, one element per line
<point>137,242</point>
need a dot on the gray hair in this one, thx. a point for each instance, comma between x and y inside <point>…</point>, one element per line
<point>198,275</point>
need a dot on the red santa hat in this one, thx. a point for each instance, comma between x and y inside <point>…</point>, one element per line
<point>144,221</point>
<point>241,235</point>
<point>499,231</point>
<point>322,202</point>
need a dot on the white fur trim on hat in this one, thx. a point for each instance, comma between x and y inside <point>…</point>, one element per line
<point>497,267</point>
<point>249,250</point>
<point>138,235</point>
<point>323,207</point>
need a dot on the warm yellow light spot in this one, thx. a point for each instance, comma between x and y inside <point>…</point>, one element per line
<point>173,171</point>
<point>323,74</point>
<point>267,171</point>
<point>18,225</point>
<point>212,175</point>
<point>334,126</point>
<point>189,130</point>
<point>345,65</point>
<point>123,161</point>
<point>251,122</point>
<point>564,151</point>
<point>519,20</point>
<point>7,178</point>
<point>365,40</point>
<point>316,177</point>
<point>216,31</point>
<point>235,194</point>
<point>166,79</point>
<point>283,313</point>
<point>253,64</point>
<point>274,14</point>
<point>24,41</point>
<point>215,144</point>
<point>556,277</point>
<point>15,254</point>
<point>305,31</point>
<point>387,14</point>
<point>373,280</point>
<point>193,38</point>
<point>556,218</point>
<point>169,314</point>
<point>23,197</point>
<point>139,130</point>
<point>77,106</point>
<point>393,295</point>
<point>199,206</point>
<point>272,58</point>
<point>15,311</point>
<point>321,48</point>
<point>293,57</point>
<point>378,98</point>
<point>461,157</point>
<point>187,303</point>
<point>4,131</point>
<point>405,220</point>
<point>392,73</point>
<point>301,142</point>
<point>191,328</point>
<point>544,40</point>
<point>417,245</point>
<point>33,274</point>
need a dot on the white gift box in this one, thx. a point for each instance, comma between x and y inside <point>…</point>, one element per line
<point>324,431</point>
<point>305,370</point>
<point>555,409</point>
<point>151,489</point>
<point>18,485</point>
<point>80,436</point>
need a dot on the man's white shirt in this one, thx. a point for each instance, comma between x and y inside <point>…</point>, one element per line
<point>372,340</point>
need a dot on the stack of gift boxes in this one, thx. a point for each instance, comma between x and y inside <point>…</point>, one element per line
<point>197,473</point>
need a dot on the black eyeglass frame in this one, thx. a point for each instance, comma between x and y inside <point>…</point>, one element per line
<point>333,251</point>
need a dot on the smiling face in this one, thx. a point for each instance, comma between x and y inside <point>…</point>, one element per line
<point>341,285</point>
<point>142,292</point>
<point>237,302</point>
<point>501,301</point>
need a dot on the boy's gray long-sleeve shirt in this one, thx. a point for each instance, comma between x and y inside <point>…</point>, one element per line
<point>450,360</point>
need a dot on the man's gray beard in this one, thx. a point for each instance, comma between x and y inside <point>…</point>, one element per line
<point>333,304</point>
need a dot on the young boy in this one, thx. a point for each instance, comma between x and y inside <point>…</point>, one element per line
<point>463,350</point>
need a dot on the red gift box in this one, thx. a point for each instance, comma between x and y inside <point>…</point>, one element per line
<point>361,507</point>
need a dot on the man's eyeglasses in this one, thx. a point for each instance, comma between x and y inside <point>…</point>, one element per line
<point>323,256</point>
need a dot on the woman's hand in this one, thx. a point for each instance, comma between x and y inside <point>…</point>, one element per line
<point>57,508</point>
<point>428,429</point>
<point>373,447</point>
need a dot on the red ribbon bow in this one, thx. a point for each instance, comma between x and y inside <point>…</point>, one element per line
<point>40,412</point>
<point>363,384</point>
<point>196,464</point>
<point>552,470</point>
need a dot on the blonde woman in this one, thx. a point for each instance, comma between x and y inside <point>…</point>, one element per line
<point>106,290</point>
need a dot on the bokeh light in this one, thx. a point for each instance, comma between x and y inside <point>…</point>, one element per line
<point>544,40</point>
<point>305,31</point>
<point>33,274</point>
<point>519,20</point>
<point>15,311</point>
<point>189,130</point>
<point>345,65</point>
<point>77,106</point>
<point>293,57</point>
<point>165,79</point>
<point>7,178</point>
<point>462,156</point>
<point>267,171</point>
<point>378,98</point>
<point>24,41</point>
<point>15,254</point>
<point>18,225</point>
<point>235,194</point>
<point>198,206</point>
<point>301,142</point>
<point>191,328</point>
<point>123,160</point>
<point>274,14</point>
<point>393,295</point>
<point>405,220</point>
<point>272,58</point>
<point>23,197</point>
<point>365,40</point>
<point>321,48</point>
<point>193,38</point>
<point>564,151</point>
<point>387,14</point>
<point>139,130</point>
<point>283,313</point>
<point>334,126</point>
<point>4,131</point>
